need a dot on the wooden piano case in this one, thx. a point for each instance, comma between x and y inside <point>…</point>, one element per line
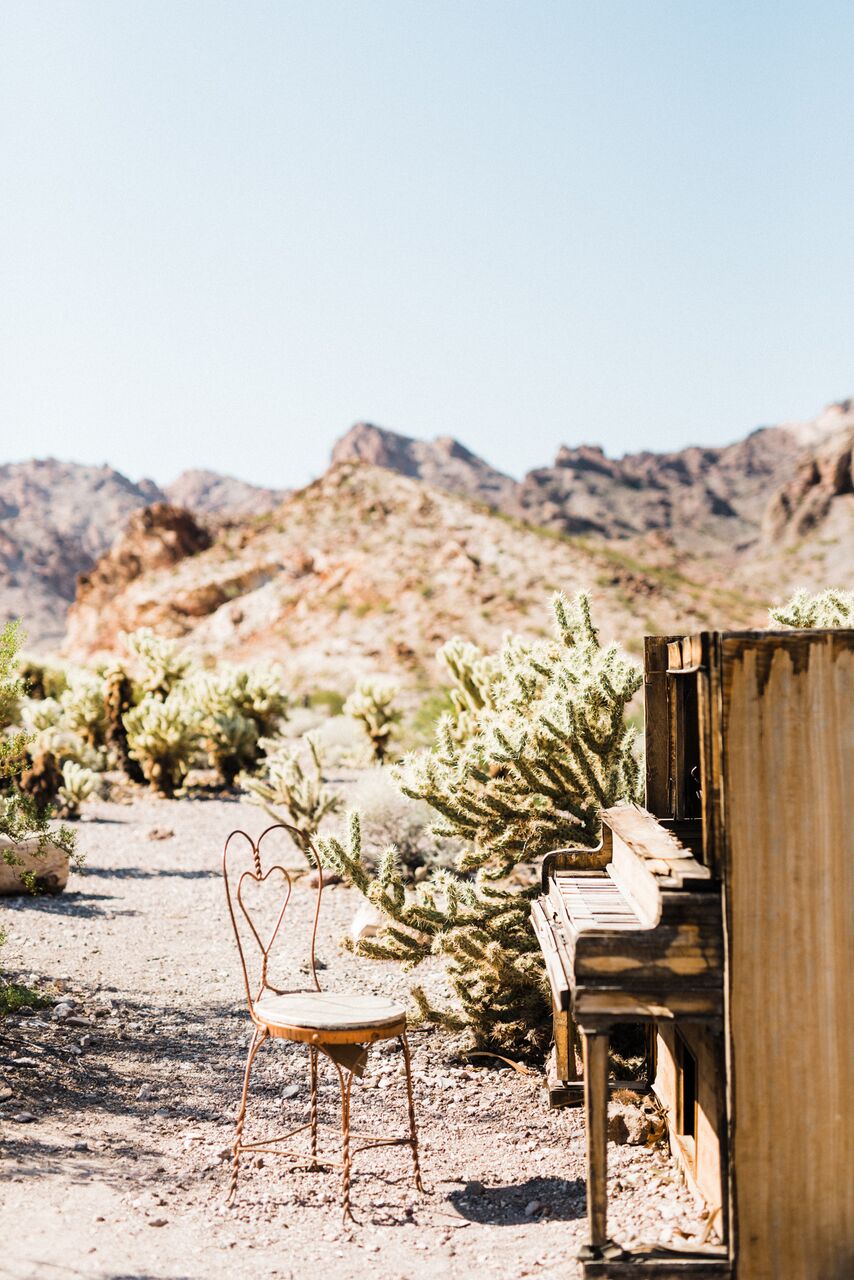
<point>722,917</point>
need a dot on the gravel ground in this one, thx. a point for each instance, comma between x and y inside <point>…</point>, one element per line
<point>116,1117</point>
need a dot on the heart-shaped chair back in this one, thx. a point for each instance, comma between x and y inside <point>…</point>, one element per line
<point>257,906</point>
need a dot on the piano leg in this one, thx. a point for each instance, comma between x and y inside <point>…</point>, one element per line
<point>595,1050</point>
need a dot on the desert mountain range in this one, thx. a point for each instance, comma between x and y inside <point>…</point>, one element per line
<point>404,542</point>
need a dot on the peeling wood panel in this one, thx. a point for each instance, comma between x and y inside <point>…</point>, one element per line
<point>788,759</point>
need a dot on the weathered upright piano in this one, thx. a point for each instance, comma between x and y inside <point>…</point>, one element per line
<point>721,917</point>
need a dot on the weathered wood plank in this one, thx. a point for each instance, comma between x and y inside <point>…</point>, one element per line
<point>657,724</point>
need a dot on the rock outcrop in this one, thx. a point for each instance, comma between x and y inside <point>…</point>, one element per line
<point>443,463</point>
<point>156,539</point>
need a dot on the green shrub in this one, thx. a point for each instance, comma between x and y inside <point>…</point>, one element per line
<point>328,700</point>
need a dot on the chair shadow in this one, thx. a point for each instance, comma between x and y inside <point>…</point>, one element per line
<point>505,1205</point>
<point>149,873</point>
<point>72,903</point>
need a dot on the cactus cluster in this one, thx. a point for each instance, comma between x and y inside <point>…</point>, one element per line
<point>21,817</point>
<point>154,715</point>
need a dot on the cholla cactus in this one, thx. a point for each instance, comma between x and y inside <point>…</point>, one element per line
<point>372,704</point>
<point>39,715</point>
<point>480,930</point>
<point>474,674</point>
<point>83,708</point>
<point>292,791</point>
<point>258,694</point>
<point>231,743</point>
<point>237,707</point>
<point>551,748</point>
<point>832,608</point>
<point>163,735</point>
<point>78,783</point>
<point>164,664</point>
<point>42,679</point>
<point>119,699</point>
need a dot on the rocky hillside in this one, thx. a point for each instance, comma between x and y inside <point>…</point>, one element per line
<point>208,493</point>
<point>368,571</point>
<point>58,518</point>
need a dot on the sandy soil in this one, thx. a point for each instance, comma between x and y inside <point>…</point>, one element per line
<point>116,1119</point>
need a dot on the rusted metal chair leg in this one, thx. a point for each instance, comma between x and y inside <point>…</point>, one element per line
<point>413,1131</point>
<point>312,1070</point>
<point>257,1040</point>
<point>345,1079</point>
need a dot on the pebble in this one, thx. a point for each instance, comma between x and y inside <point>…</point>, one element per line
<point>60,1012</point>
<point>290,1091</point>
<point>160,833</point>
<point>145,1093</point>
<point>157,1222</point>
<point>23,1117</point>
<point>533,1207</point>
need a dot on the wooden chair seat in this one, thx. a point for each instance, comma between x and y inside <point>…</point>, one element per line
<point>330,1017</point>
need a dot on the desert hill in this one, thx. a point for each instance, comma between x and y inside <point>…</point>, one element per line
<point>367,570</point>
<point>56,519</point>
<point>209,493</point>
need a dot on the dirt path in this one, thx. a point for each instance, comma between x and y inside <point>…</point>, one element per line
<point>119,1172</point>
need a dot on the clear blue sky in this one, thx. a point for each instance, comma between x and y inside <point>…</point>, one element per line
<point>229,230</point>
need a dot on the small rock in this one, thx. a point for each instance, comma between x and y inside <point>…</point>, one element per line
<point>77,1020</point>
<point>290,1091</point>
<point>85,1042</point>
<point>5,1094</point>
<point>60,1012</point>
<point>474,1188</point>
<point>160,833</point>
<point>533,1207</point>
<point>145,1093</point>
<point>23,1117</point>
<point>26,1011</point>
<point>157,1222</point>
<point>81,1146</point>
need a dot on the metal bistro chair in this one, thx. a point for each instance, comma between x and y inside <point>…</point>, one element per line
<point>339,1025</point>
